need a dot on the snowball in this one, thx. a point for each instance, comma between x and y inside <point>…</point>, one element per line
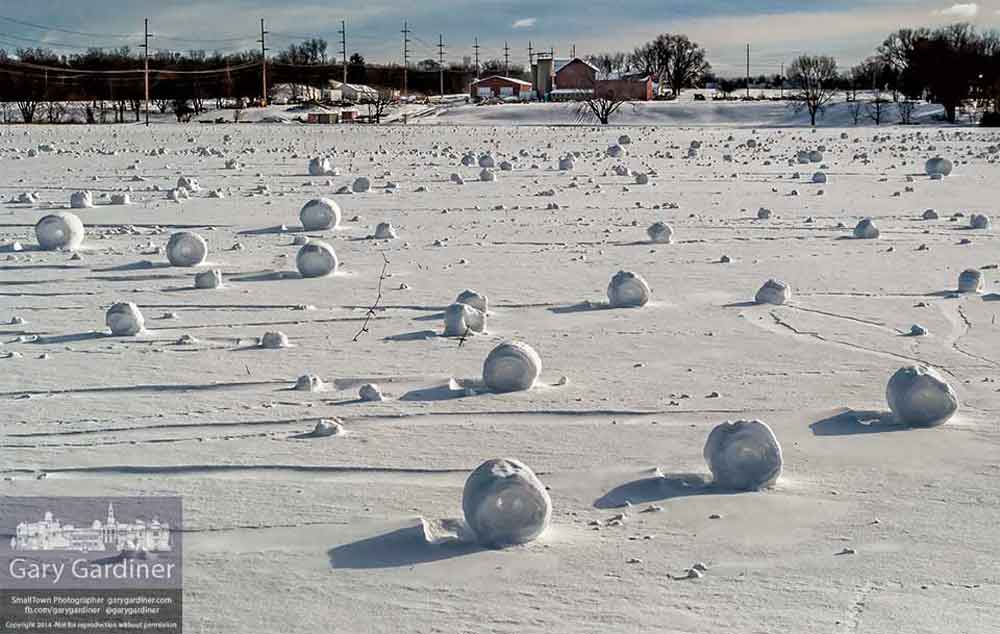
<point>970,281</point>
<point>819,178</point>
<point>457,179</point>
<point>487,161</point>
<point>930,214</point>
<point>370,392</point>
<point>773,292</point>
<point>327,427</point>
<point>642,179</point>
<point>319,214</point>
<point>624,140</point>
<point>188,183</point>
<point>208,279</point>
<point>81,200</point>
<point>309,383</point>
<point>361,185</point>
<point>505,503</point>
<point>385,231</point>
<point>274,340</point>
<point>477,300</point>
<point>487,175</point>
<point>763,213</point>
<point>511,366</point>
<point>124,319</point>
<point>866,230</point>
<point>938,166</point>
<point>186,249</point>
<point>743,456</point>
<point>60,230</point>
<point>462,319</point>
<point>566,164</point>
<point>316,259</point>
<point>628,290</point>
<point>319,166</point>
<point>120,199</point>
<point>660,232</point>
<point>614,151</point>
<point>980,221</point>
<point>815,156</point>
<point>919,396</point>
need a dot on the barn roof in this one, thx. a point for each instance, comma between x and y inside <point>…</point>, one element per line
<point>502,78</point>
<point>560,64</point>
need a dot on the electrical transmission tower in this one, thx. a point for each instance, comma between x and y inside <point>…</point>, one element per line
<point>406,54</point>
<point>343,46</point>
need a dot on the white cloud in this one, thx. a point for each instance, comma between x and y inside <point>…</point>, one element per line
<point>968,10</point>
<point>525,23</point>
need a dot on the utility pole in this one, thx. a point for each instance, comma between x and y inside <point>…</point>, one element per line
<point>531,55</point>
<point>441,61</point>
<point>406,54</point>
<point>145,48</point>
<point>506,59</point>
<point>263,65</point>
<point>476,47</point>
<point>748,70</point>
<point>781,80</point>
<point>574,52</point>
<point>343,46</point>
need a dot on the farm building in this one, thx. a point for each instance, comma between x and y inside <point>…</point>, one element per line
<point>357,93</point>
<point>573,79</point>
<point>575,74</point>
<point>498,86</point>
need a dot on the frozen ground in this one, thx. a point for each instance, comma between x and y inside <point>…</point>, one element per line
<point>293,533</point>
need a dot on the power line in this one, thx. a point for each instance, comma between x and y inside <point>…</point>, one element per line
<point>263,65</point>
<point>406,54</point>
<point>62,30</point>
<point>441,62</point>
<point>145,47</point>
<point>476,47</point>
<point>343,35</point>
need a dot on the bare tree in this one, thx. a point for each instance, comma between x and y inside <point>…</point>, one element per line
<point>685,62</point>
<point>855,107</point>
<point>55,111</point>
<point>611,63</point>
<point>877,107</point>
<point>601,102</point>
<point>380,104</point>
<point>28,107</point>
<point>906,108</point>
<point>650,59</point>
<point>816,78</point>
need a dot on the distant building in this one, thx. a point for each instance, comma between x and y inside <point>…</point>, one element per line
<point>575,74</point>
<point>109,536</point>
<point>499,86</point>
<point>573,79</point>
<point>357,93</point>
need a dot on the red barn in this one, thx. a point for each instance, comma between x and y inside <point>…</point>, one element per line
<point>575,74</point>
<point>499,86</point>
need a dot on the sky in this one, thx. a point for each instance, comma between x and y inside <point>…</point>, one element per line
<point>777,30</point>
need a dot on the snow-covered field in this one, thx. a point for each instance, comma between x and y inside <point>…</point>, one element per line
<point>871,527</point>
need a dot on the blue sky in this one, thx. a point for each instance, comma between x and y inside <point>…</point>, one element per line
<point>777,29</point>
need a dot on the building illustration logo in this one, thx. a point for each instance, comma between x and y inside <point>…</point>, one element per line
<point>113,536</point>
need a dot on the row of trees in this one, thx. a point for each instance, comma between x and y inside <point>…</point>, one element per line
<point>954,66</point>
<point>672,60</point>
<point>109,83</point>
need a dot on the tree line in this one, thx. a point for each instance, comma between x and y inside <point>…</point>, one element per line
<point>109,84</point>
